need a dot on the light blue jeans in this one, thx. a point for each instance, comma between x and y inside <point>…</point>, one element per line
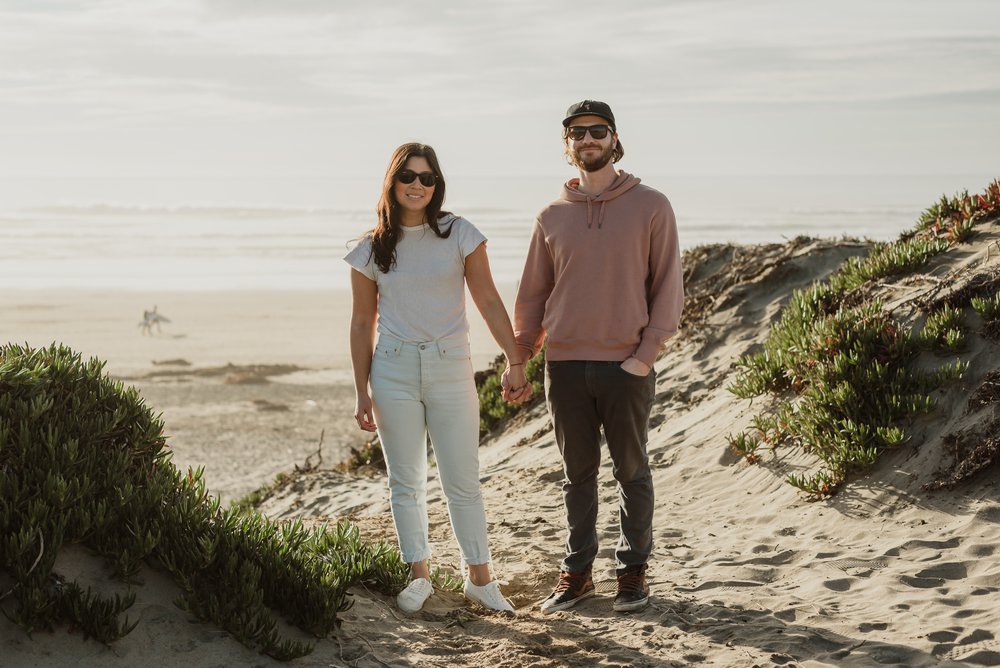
<point>421,389</point>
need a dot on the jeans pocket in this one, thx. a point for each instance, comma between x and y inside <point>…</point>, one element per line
<point>387,349</point>
<point>455,351</point>
<point>629,374</point>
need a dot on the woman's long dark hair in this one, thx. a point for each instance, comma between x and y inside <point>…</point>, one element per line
<point>386,234</point>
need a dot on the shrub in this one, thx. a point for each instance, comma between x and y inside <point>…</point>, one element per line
<point>943,331</point>
<point>84,461</point>
<point>745,445</point>
<point>987,307</point>
<point>368,454</point>
<point>848,363</point>
<point>492,408</point>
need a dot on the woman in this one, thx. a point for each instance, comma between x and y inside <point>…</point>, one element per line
<point>409,274</point>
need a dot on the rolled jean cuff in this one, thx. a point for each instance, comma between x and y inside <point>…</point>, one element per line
<point>475,560</point>
<point>415,557</point>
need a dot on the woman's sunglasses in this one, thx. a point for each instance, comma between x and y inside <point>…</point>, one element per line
<point>578,132</point>
<point>407,176</point>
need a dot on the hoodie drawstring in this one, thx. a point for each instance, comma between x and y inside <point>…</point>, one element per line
<point>622,184</point>
<point>600,213</point>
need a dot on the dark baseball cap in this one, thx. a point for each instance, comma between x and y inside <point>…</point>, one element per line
<point>589,108</point>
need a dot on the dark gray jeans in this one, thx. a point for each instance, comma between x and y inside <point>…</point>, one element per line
<point>584,396</point>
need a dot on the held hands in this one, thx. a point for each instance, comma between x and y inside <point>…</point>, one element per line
<point>516,388</point>
<point>363,413</point>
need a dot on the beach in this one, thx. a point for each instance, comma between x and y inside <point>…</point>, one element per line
<point>246,381</point>
<point>180,183</point>
<point>746,570</point>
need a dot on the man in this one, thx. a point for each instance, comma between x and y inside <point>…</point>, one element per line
<point>603,283</point>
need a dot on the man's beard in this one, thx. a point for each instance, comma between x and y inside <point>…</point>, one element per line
<point>595,163</point>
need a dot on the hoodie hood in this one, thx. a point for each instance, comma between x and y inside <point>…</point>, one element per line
<point>621,185</point>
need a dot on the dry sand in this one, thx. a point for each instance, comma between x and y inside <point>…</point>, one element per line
<point>247,382</point>
<point>746,571</point>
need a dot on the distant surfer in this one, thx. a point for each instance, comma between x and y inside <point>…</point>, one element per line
<point>152,319</point>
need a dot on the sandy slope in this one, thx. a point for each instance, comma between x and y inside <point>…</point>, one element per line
<point>746,571</point>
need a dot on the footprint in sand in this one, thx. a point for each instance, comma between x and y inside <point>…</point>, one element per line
<point>720,585</point>
<point>669,533</point>
<point>552,476</point>
<point>989,514</point>
<point>944,636</point>
<point>935,576</point>
<point>657,458</point>
<point>920,583</point>
<point>537,527</point>
<point>938,574</point>
<point>859,568</point>
<point>774,559</point>
<point>788,615</point>
<point>855,568</point>
<point>930,544</point>
<point>980,647</point>
<point>950,571</point>
<point>876,626</point>
<point>841,584</point>
<point>982,550</point>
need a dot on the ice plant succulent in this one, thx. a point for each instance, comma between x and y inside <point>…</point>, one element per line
<point>83,460</point>
<point>492,408</point>
<point>848,365</point>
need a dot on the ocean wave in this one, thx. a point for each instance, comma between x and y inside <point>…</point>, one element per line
<point>187,210</point>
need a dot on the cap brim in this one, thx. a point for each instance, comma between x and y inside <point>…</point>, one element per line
<point>568,119</point>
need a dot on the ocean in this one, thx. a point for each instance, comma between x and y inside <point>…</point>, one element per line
<point>291,235</point>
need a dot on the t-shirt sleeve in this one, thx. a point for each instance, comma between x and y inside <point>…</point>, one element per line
<point>469,237</point>
<point>360,257</point>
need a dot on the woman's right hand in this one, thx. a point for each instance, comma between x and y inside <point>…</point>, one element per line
<point>363,413</point>
<point>516,388</point>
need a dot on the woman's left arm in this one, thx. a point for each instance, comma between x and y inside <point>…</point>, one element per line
<point>490,305</point>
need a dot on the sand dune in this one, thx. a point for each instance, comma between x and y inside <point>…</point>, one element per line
<point>746,571</point>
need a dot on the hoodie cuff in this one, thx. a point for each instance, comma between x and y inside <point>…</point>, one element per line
<point>649,348</point>
<point>528,351</point>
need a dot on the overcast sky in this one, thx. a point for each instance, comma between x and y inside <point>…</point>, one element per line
<point>290,89</point>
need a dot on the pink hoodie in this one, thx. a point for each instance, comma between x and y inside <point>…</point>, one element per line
<point>603,276</point>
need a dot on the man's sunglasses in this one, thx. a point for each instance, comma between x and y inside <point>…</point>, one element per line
<point>407,176</point>
<point>578,132</point>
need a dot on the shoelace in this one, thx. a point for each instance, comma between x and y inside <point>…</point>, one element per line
<point>632,581</point>
<point>568,581</point>
<point>492,593</point>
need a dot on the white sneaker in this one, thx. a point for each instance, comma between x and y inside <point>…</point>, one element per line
<point>488,596</point>
<point>416,593</point>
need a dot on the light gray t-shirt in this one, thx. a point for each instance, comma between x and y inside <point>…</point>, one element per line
<point>422,298</point>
